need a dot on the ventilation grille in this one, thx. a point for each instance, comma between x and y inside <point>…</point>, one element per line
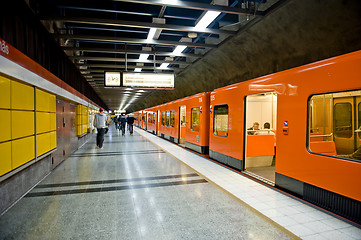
<point>343,206</point>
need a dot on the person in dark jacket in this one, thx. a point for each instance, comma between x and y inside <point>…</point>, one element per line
<point>122,122</point>
<point>130,121</point>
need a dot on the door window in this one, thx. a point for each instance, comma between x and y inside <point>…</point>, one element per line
<point>220,126</point>
<point>195,119</point>
<point>343,120</point>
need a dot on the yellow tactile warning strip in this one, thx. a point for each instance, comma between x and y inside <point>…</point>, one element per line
<point>259,214</point>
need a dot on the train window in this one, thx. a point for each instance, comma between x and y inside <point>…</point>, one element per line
<point>167,119</point>
<point>195,119</point>
<point>172,115</point>
<point>163,118</point>
<point>153,118</point>
<point>220,121</point>
<point>343,120</point>
<point>334,121</point>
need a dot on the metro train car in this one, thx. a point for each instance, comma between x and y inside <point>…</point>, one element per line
<point>314,128</point>
<point>298,130</point>
<point>184,121</point>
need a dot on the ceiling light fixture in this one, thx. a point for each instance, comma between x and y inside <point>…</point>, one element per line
<point>151,34</point>
<point>207,19</point>
<point>143,57</point>
<point>137,70</point>
<point>164,65</point>
<point>179,49</point>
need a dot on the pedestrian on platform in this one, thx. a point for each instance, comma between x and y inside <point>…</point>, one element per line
<point>100,124</point>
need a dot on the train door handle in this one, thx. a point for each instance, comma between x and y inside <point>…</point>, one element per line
<point>358,131</point>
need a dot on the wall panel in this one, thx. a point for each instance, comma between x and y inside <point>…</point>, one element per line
<point>5,92</point>
<point>23,151</point>
<point>5,162</point>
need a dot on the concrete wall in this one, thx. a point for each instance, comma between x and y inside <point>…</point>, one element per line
<point>298,33</point>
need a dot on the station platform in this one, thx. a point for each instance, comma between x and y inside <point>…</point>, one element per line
<point>143,187</point>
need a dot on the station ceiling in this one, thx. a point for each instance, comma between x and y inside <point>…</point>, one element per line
<point>115,35</point>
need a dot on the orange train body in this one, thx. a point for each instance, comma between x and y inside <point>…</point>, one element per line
<point>294,160</point>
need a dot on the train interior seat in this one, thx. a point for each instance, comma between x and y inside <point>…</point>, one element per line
<point>260,150</point>
<point>324,147</point>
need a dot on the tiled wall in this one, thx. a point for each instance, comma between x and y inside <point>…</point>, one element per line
<point>17,118</point>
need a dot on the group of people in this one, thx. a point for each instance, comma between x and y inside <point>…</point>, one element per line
<point>255,130</point>
<point>121,121</point>
<point>100,123</point>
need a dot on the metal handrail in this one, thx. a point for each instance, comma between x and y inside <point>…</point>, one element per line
<point>259,130</point>
<point>325,135</point>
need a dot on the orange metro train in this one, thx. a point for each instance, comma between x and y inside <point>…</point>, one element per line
<point>309,138</point>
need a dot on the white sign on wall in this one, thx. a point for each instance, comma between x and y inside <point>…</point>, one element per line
<point>148,80</point>
<point>112,79</point>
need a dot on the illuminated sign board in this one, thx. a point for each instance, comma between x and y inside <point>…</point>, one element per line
<point>148,80</point>
<point>112,79</point>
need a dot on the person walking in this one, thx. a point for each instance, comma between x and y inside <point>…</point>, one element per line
<point>122,122</point>
<point>100,123</point>
<point>130,122</point>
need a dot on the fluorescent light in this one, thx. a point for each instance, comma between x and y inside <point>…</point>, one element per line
<point>137,70</point>
<point>143,57</point>
<point>151,34</point>
<point>207,19</point>
<point>164,65</point>
<point>179,49</point>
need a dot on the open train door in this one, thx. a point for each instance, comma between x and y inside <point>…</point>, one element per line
<point>347,122</point>
<point>260,141</point>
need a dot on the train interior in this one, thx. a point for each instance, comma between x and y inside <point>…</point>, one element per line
<point>335,124</point>
<point>260,136</point>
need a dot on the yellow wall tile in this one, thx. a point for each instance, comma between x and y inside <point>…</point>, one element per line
<point>5,133</point>
<point>52,103</point>
<point>5,161</point>
<point>52,121</point>
<point>42,101</point>
<point>22,124</point>
<point>23,150</point>
<point>78,119</point>
<point>52,140</point>
<point>85,119</point>
<point>43,143</point>
<point>78,130</point>
<point>42,122</point>
<point>22,96</point>
<point>5,92</point>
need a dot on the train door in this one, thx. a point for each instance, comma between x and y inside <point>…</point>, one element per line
<point>182,125</point>
<point>158,120</point>
<point>260,138</point>
<point>347,123</point>
<point>358,121</point>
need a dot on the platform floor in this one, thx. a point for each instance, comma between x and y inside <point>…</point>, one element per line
<point>144,187</point>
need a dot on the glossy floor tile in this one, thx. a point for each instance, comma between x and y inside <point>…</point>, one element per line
<point>134,189</point>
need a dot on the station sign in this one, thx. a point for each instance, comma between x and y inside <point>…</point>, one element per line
<point>148,80</point>
<point>112,79</point>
